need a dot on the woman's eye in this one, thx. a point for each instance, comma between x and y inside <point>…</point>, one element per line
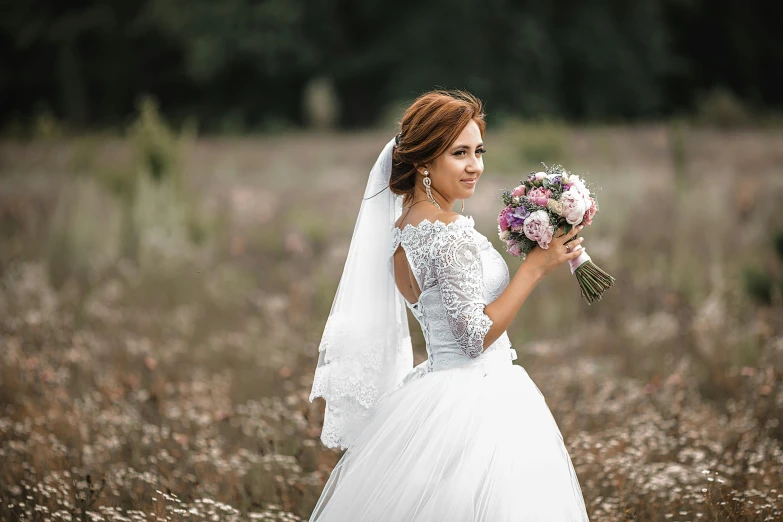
<point>478,151</point>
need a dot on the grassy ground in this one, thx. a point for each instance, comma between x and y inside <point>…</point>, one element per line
<point>161,304</point>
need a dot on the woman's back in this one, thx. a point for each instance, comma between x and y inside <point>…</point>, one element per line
<point>456,272</point>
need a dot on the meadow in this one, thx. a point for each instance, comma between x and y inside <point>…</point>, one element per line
<point>162,297</point>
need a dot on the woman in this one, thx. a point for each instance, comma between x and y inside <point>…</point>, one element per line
<point>466,435</point>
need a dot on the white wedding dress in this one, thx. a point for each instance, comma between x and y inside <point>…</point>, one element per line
<point>466,436</point>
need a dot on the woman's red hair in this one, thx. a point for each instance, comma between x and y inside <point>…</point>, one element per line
<point>430,126</point>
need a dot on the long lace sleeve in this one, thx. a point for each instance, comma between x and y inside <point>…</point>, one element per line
<point>458,271</point>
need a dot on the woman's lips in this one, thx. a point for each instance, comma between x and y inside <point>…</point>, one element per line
<point>471,182</point>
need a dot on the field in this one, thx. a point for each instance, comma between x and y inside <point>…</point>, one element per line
<point>162,299</point>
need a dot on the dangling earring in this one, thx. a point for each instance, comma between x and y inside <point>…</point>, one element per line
<point>427,182</point>
<point>463,205</point>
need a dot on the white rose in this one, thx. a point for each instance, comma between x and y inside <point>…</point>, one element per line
<point>540,175</point>
<point>579,185</point>
<point>515,199</point>
<point>574,206</point>
<point>505,234</point>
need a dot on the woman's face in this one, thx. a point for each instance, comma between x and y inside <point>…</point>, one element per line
<point>453,171</point>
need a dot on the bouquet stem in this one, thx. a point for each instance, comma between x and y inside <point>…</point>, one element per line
<point>593,281</point>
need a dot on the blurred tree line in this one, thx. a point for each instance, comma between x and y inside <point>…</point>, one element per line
<point>238,65</point>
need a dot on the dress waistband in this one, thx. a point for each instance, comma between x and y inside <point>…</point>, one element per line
<point>488,359</point>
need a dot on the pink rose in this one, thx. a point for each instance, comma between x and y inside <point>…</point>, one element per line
<point>587,220</point>
<point>574,206</point>
<point>519,191</point>
<point>540,196</point>
<point>502,219</point>
<point>538,228</point>
<point>512,247</point>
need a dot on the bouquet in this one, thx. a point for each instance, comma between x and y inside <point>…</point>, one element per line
<point>538,207</point>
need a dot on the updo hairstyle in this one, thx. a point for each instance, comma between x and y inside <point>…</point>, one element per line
<point>428,128</point>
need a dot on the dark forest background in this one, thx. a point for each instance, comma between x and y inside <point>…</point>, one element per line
<point>179,182</point>
<point>245,65</point>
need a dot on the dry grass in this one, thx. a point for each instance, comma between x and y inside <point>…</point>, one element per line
<point>181,379</point>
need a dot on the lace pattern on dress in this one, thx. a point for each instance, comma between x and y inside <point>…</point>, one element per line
<point>447,254</point>
<point>458,271</point>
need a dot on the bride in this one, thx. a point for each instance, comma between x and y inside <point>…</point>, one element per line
<point>466,435</point>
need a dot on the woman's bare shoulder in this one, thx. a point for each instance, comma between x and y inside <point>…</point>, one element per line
<point>448,217</point>
<point>439,215</point>
<point>414,218</point>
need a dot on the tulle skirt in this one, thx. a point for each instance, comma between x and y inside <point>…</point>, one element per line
<point>469,444</point>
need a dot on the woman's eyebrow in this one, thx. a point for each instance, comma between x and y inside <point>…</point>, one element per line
<point>466,146</point>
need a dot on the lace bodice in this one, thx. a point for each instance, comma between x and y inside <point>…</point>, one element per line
<point>459,272</point>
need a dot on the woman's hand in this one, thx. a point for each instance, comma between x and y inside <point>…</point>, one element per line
<point>546,260</point>
<point>538,263</point>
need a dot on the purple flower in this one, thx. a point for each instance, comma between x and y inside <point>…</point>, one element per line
<point>517,218</point>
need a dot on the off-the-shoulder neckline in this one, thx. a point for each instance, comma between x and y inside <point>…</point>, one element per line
<point>459,219</point>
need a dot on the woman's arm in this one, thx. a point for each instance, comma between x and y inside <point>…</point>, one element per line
<point>504,309</point>
<point>538,263</point>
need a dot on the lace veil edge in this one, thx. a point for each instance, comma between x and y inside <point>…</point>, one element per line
<point>365,351</point>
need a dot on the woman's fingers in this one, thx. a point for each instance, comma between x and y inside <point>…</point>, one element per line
<point>575,250</point>
<point>571,233</point>
<point>567,237</point>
